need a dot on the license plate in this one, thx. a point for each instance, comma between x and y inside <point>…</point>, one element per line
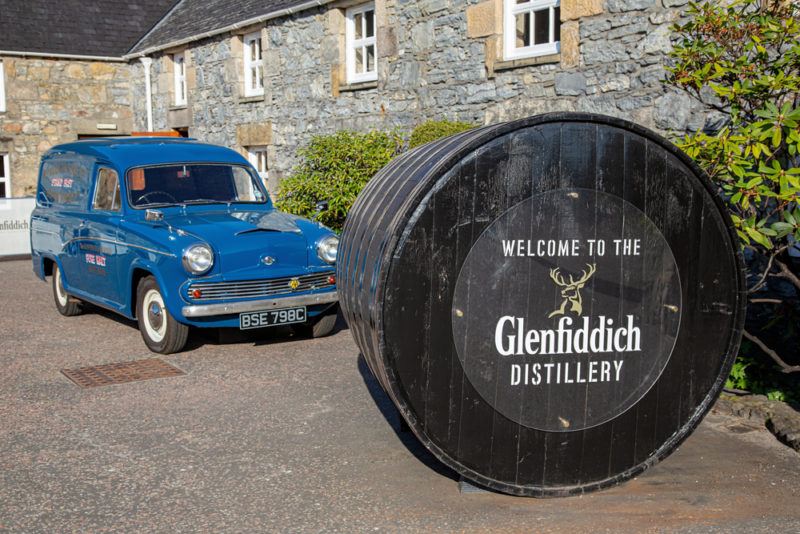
<point>262,319</point>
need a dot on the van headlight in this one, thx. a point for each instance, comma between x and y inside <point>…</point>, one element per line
<point>198,259</point>
<point>327,248</point>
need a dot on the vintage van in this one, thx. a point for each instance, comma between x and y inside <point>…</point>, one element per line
<point>175,233</point>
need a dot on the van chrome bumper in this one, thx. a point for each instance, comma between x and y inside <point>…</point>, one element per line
<point>208,310</point>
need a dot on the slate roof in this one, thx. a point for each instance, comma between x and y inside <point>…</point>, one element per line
<point>106,28</point>
<point>195,17</point>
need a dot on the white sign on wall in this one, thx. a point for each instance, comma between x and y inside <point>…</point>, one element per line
<point>15,224</point>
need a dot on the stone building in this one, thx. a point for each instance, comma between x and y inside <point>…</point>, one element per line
<point>263,77</point>
<point>63,77</point>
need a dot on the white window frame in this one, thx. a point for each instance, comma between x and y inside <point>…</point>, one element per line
<point>253,64</point>
<point>257,154</point>
<point>352,43</point>
<point>510,10</point>
<point>179,78</point>
<point>2,87</point>
<point>5,160</point>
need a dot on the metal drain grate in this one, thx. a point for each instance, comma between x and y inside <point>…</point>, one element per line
<point>120,373</point>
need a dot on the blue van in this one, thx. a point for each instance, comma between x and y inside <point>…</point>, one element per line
<point>175,233</point>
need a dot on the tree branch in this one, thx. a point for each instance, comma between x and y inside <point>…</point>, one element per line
<point>787,274</point>
<point>763,279</point>
<point>785,367</point>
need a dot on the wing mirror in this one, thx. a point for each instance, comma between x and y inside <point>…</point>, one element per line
<point>153,216</point>
<point>321,206</point>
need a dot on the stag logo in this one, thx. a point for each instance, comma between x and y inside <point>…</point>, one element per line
<point>571,292</point>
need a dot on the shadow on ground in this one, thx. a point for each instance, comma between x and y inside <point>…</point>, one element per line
<point>396,422</point>
<point>198,337</point>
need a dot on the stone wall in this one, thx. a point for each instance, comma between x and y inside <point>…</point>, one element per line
<point>437,59</point>
<point>54,101</point>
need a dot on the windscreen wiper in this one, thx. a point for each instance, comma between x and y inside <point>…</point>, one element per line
<point>154,205</point>
<point>205,201</point>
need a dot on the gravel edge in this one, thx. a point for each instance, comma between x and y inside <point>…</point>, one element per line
<point>780,418</point>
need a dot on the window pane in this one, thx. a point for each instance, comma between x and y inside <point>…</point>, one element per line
<point>357,22</point>
<point>2,165</point>
<point>557,28</point>
<point>370,58</point>
<point>106,196</point>
<point>542,26</point>
<point>115,204</point>
<point>360,59</point>
<point>197,183</point>
<point>370,16</point>
<point>3,190</point>
<point>523,29</point>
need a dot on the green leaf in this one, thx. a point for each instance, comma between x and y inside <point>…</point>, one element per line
<point>758,237</point>
<point>776,138</point>
<point>782,227</point>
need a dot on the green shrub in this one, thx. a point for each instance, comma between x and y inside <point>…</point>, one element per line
<point>742,58</point>
<point>432,130</point>
<point>335,168</point>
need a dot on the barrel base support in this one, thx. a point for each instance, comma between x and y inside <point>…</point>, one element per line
<point>465,486</point>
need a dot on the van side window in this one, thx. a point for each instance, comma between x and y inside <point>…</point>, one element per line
<point>65,181</point>
<point>106,192</point>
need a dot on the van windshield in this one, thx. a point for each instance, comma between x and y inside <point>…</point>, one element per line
<point>180,185</point>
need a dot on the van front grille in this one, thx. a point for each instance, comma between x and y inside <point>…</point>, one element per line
<point>251,289</point>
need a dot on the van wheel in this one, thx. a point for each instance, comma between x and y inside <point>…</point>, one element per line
<point>322,325</point>
<point>160,331</point>
<point>66,305</point>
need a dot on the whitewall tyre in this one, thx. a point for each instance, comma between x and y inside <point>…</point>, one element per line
<point>160,331</point>
<point>66,305</point>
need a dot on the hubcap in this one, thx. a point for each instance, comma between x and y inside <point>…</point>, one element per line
<point>155,315</point>
<point>155,323</point>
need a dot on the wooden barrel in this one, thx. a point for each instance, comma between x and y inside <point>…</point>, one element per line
<point>553,304</point>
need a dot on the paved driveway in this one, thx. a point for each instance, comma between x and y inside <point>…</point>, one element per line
<point>270,433</point>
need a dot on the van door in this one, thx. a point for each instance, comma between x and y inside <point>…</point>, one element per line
<point>62,200</point>
<point>98,243</point>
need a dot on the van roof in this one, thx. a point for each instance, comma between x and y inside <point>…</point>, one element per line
<point>127,152</point>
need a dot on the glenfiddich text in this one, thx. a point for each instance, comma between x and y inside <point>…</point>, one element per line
<point>591,337</point>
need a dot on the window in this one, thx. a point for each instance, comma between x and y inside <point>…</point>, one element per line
<point>197,183</point>
<point>179,76</point>
<point>258,159</point>
<point>253,65</point>
<point>361,53</point>
<point>531,28</point>
<point>106,192</point>
<point>2,88</point>
<point>5,177</point>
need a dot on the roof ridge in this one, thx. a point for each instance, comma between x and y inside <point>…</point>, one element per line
<point>158,23</point>
<point>267,9</point>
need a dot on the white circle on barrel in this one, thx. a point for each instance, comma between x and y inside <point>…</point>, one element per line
<point>566,309</point>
